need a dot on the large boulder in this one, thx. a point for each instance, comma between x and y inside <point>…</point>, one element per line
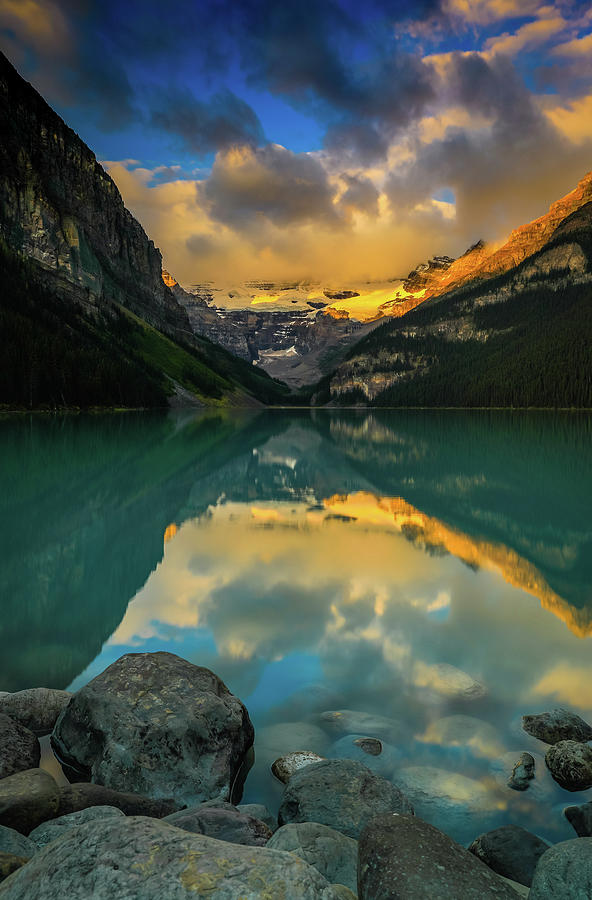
<point>333,854</point>
<point>226,824</point>
<point>157,725</point>
<point>580,818</point>
<point>55,828</point>
<point>450,801</point>
<point>510,851</point>
<point>19,748</point>
<point>564,872</point>
<point>146,859</point>
<point>570,764</point>
<point>558,725</point>
<point>340,793</point>
<point>35,708</point>
<point>27,799</point>
<point>405,858</point>
<point>14,842</point>
<point>82,795</point>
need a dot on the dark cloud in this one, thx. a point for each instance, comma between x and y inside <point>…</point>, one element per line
<point>269,183</point>
<point>360,195</point>
<point>223,121</point>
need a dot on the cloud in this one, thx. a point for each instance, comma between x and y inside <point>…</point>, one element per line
<point>223,121</point>
<point>484,12</point>
<point>360,195</point>
<point>578,47</point>
<point>528,36</point>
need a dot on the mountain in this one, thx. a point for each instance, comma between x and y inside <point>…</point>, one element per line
<point>86,318</point>
<point>506,326</point>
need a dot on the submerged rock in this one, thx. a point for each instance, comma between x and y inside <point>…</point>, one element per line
<point>448,681</point>
<point>564,872</point>
<point>510,851</point>
<point>27,799</point>
<point>340,793</point>
<point>570,764</point>
<point>558,725</point>
<point>146,859</point>
<point>333,854</point>
<point>466,733</point>
<point>540,787</point>
<point>284,767</point>
<point>19,748</point>
<point>14,842</point>
<point>157,725</point>
<point>75,797</point>
<point>56,828</point>
<point>223,824</point>
<point>378,756</point>
<point>580,818</point>
<point>35,708</point>
<point>351,721</point>
<point>522,773</point>
<point>402,856</point>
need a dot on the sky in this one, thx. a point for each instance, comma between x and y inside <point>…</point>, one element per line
<point>318,139</point>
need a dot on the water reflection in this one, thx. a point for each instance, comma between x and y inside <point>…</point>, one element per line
<point>432,569</point>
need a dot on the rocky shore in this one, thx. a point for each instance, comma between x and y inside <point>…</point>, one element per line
<point>157,750</point>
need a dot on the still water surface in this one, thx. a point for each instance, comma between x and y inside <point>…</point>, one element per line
<point>429,571</point>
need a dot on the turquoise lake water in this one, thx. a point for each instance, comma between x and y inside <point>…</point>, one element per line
<point>426,575</point>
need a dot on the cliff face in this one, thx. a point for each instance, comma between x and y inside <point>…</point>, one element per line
<point>59,208</point>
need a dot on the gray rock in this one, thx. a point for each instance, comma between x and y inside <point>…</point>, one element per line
<point>341,793</point>
<point>146,859</point>
<point>35,708</point>
<point>456,804</point>
<point>14,842</point>
<point>522,772</point>
<point>55,828</point>
<point>570,764</point>
<point>19,748</point>
<point>405,858</point>
<point>351,721</point>
<point>540,787</point>
<point>82,795</point>
<point>157,725</point>
<point>284,767</point>
<point>356,746</point>
<point>510,851</point>
<point>558,725</point>
<point>27,799</point>
<point>580,818</point>
<point>223,824</point>
<point>9,863</point>
<point>333,854</point>
<point>564,872</point>
<point>261,812</point>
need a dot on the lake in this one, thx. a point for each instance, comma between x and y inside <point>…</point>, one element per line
<point>423,577</point>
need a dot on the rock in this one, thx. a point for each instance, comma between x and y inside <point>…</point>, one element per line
<point>146,859</point>
<point>36,708</point>
<point>55,828</point>
<point>350,721</point>
<point>223,824</point>
<point>14,842</point>
<point>340,793</point>
<point>466,733</point>
<point>75,797</point>
<point>580,818</point>
<point>333,854</point>
<point>510,851</point>
<point>540,787</point>
<point>558,725</point>
<point>157,725</point>
<point>27,799</point>
<point>456,804</point>
<point>405,858</point>
<point>9,863</point>
<point>518,888</point>
<point>19,748</point>
<point>564,872</point>
<point>522,772</point>
<point>284,767</point>
<point>358,747</point>
<point>448,681</point>
<point>261,812</point>
<point>570,764</point>
<point>341,892</point>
